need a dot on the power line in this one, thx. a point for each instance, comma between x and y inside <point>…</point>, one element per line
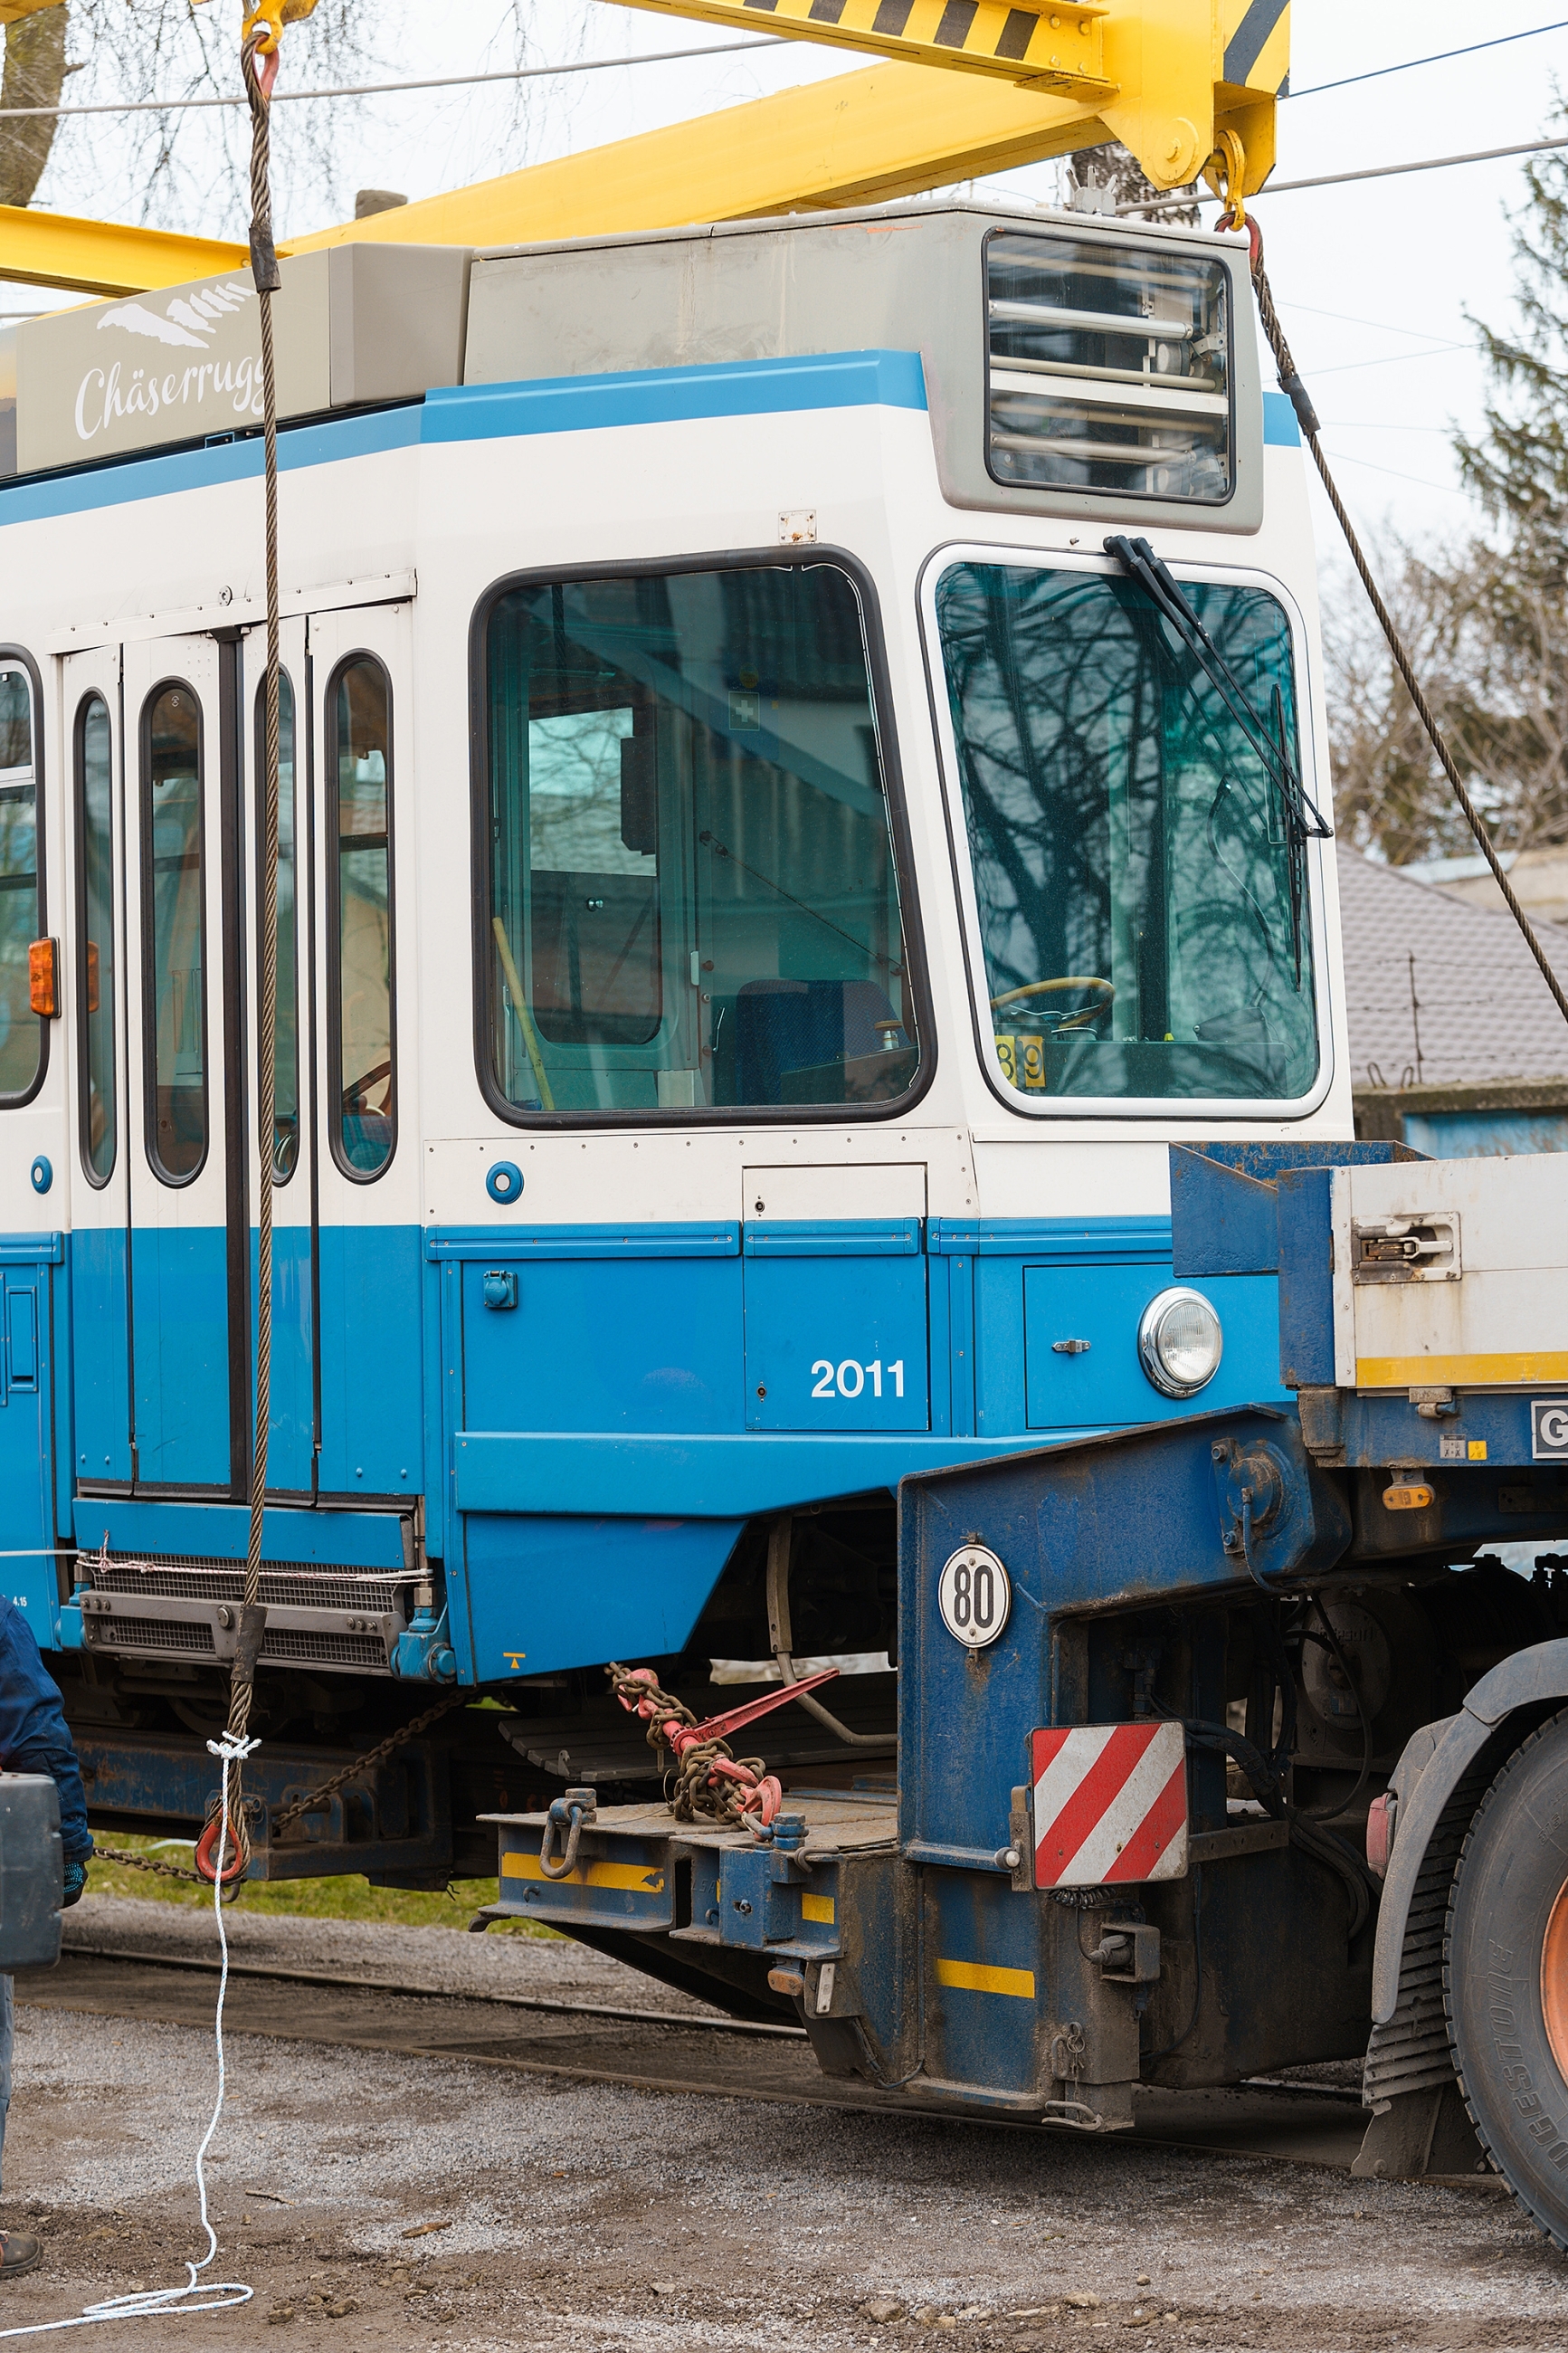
<point>1394,359</point>
<point>653,57</point>
<point>1348,319</point>
<point>382,89</point>
<point>1532,33</point>
<point>1341,179</point>
<point>1342,458</point>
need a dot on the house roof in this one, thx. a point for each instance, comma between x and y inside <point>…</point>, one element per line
<point>1441,992</point>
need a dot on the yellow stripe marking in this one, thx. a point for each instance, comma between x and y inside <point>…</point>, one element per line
<point>1273,61</point>
<point>816,1907</point>
<point>1530,1367</point>
<point>1051,51</point>
<point>645,1879</point>
<point>977,1977</point>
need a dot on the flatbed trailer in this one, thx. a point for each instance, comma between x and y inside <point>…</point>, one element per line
<point>1196,1776</point>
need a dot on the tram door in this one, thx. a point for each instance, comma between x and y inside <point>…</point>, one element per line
<point>93,761</point>
<point>182,1131</point>
<point>358,1182</point>
<point>168,751</point>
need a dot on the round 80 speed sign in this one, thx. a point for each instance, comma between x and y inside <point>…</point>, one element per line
<point>975,1596</point>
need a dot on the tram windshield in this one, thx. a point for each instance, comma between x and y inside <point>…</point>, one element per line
<point>1139,884</point>
<point>692,900</point>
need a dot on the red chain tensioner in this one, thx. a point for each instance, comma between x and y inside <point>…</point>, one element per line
<point>708,1778</point>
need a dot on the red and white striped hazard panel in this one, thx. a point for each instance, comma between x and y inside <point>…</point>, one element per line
<point>1110,1804</point>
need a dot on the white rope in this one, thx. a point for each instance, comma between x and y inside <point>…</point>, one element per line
<point>217,2295</point>
<point>302,1572</point>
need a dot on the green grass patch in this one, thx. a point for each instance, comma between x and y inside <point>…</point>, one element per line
<point>350,1897</point>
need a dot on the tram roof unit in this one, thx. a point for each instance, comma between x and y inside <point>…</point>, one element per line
<point>1033,385</point>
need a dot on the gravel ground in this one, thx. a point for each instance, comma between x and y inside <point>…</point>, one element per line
<point>582,2215</point>
<point>445,1960</point>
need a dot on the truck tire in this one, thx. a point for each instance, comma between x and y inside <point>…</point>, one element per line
<point>1505,1975</point>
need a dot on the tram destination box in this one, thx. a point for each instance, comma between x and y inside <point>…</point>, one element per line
<point>353,325</point>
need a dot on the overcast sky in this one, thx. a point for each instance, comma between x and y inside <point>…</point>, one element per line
<point>1374,281</point>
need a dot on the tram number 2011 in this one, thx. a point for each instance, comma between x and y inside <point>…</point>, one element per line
<point>849,1379</point>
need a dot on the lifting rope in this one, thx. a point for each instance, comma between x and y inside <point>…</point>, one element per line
<point>1290,384</point>
<point>226,1827</point>
<point>258,61</point>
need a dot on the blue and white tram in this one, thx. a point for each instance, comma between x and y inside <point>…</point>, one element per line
<point>761,886</point>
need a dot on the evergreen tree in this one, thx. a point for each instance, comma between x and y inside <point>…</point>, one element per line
<point>1487,620</point>
<point>1515,588</point>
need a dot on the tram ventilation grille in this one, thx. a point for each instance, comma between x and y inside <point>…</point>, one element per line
<point>323,1650</point>
<point>288,1584</point>
<point>154,1634</point>
<point>279,1645</point>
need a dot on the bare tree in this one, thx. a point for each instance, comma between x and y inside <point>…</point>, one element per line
<point>35,75</point>
<point>181,168</point>
<point>1489,645</point>
<point>1115,167</point>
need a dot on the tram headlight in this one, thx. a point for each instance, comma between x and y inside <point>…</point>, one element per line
<point>1180,1341</point>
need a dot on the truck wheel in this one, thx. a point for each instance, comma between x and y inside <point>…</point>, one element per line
<point>1505,1975</point>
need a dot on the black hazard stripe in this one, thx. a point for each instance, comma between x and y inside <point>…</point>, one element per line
<point>1248,43</point>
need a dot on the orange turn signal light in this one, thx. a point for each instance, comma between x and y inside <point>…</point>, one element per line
<point>44,978</point>
<point>1407,1499</point>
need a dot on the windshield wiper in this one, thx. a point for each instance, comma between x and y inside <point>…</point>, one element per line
<point>1304,820</point>
<point>1137,558</point>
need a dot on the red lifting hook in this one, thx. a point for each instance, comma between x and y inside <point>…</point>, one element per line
<point>207,1852</point>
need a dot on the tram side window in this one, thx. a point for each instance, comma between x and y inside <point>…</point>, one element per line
<point>173,935</point>
<point>95,992</point>
<point>1140,889</point>
<point>364,1049</point>
<point>691,900</point>
<point>22,1031</point>
<point>286,1050</point>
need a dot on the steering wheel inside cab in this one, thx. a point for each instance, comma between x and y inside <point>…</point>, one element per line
<point>1020,1047</point>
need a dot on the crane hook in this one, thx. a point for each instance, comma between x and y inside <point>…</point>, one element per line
<point>1226,173</point>
<point>268,19</point>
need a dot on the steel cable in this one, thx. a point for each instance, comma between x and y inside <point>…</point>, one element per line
<point>253,1614</point>
<point>1290,384</point>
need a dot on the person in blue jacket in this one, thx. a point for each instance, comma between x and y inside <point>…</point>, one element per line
<point>35,1738</point>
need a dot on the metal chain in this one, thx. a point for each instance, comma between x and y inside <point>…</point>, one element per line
<point>304,1805</point>
<point>692,1789</point>
<point>371,1756</point>
<point>1291,383</point>
<point>230,1890</point>
<point>144,1862</point>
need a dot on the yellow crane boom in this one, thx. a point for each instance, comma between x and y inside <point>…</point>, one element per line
<point>1178,78</point>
